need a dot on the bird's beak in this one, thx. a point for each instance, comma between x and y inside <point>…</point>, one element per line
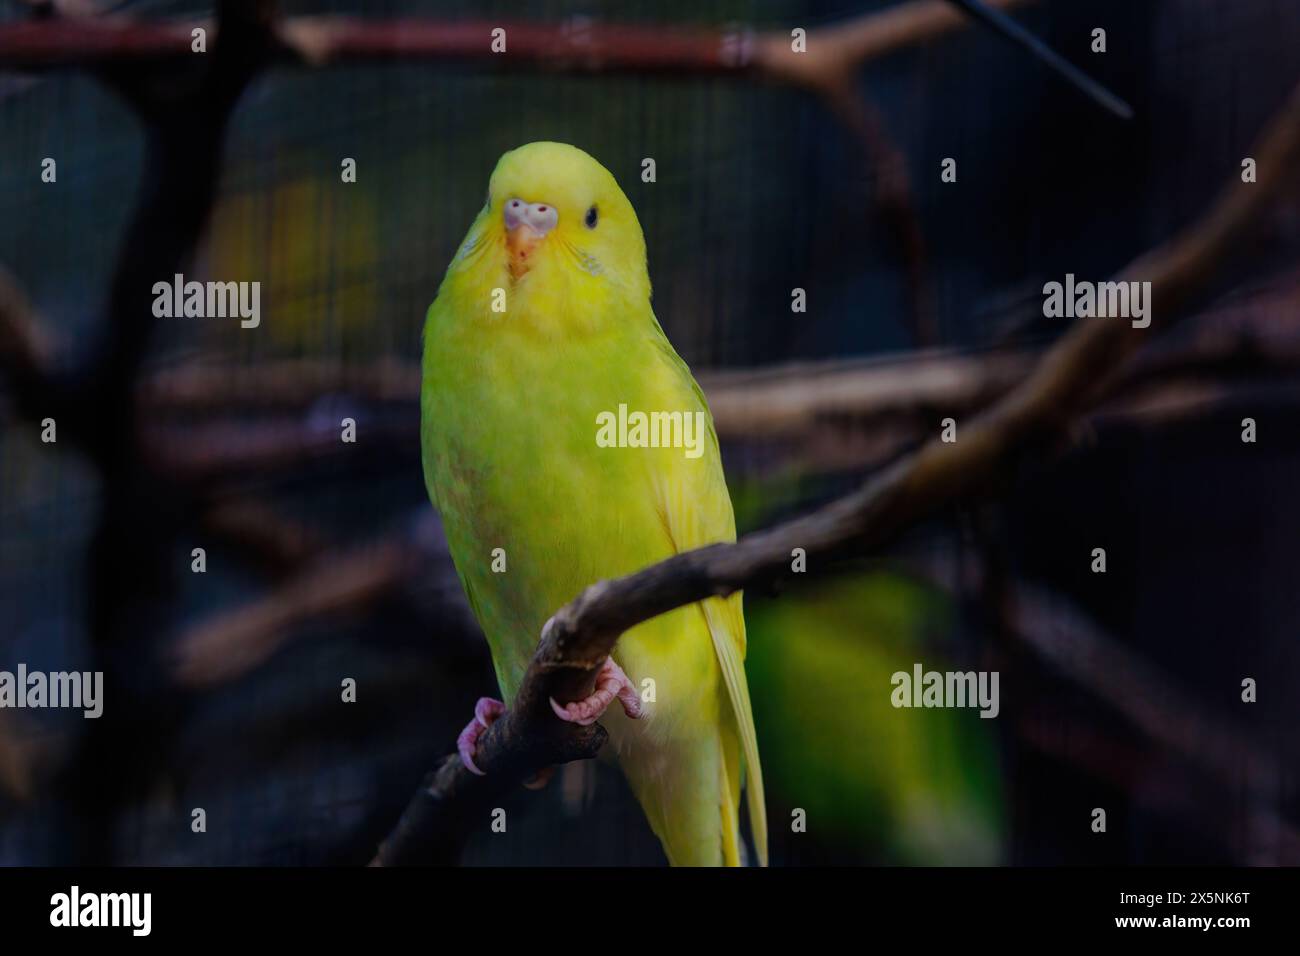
<point>527,224</point>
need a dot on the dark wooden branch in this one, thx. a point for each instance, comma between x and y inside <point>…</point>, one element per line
<point>231,643</point>
<point>184,111</point>
<point>263,533</point>
<point>1051,630</point>
<point>575,46</point>
<point>1257,332</point>
<point>288,383</point>
<point>208,453</point>
<point>1059,634</point>
<point>576,640</point>
<point>16,764</point>
<point>1254,833</point>
<point>28,359</point>
<point>834,414</point>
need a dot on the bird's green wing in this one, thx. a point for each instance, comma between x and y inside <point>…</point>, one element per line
<point>697,508</point>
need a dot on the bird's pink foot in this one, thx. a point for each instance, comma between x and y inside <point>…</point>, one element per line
<point>611,683</point>
<point>486,711</point>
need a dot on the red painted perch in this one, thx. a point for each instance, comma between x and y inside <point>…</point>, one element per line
<point>578,45</point>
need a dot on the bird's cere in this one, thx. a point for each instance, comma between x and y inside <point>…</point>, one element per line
<point>634,429</point>
<point>540,217</point>
<point>527,224</point>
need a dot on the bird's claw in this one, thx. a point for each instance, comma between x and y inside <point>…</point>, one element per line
<point>486,712</point>
<point>611,684</point>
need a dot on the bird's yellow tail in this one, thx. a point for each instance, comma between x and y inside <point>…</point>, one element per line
<point>690,792</point>
<point>689,786</point>
<point>726,619</point>
<point>687,772</point>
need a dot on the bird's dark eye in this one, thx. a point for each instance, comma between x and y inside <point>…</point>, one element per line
<point>591,218</point>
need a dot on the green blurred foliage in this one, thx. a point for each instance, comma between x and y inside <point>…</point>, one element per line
<point>905,786</point>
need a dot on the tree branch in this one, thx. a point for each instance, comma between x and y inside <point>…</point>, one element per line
<point>185,109</point>
<point>28,358</point>
<point>832,414</point>
<point>575,46</point>
<point>232,643</point>
<point>1060,636</point>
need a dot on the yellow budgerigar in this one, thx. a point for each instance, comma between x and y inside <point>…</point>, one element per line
<point>564,442</point>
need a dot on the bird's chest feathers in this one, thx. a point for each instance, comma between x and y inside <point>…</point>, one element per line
<point>543,398</point>
<point>519,420</point>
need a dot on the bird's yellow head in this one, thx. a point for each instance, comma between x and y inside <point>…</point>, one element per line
<point>555,227</point>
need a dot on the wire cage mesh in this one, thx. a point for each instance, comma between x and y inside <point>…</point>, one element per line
<point>758,190</point>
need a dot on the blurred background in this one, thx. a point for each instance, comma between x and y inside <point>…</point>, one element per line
<point>325,561</point>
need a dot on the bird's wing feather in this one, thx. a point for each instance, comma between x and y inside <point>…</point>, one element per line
<point>698,510</point>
